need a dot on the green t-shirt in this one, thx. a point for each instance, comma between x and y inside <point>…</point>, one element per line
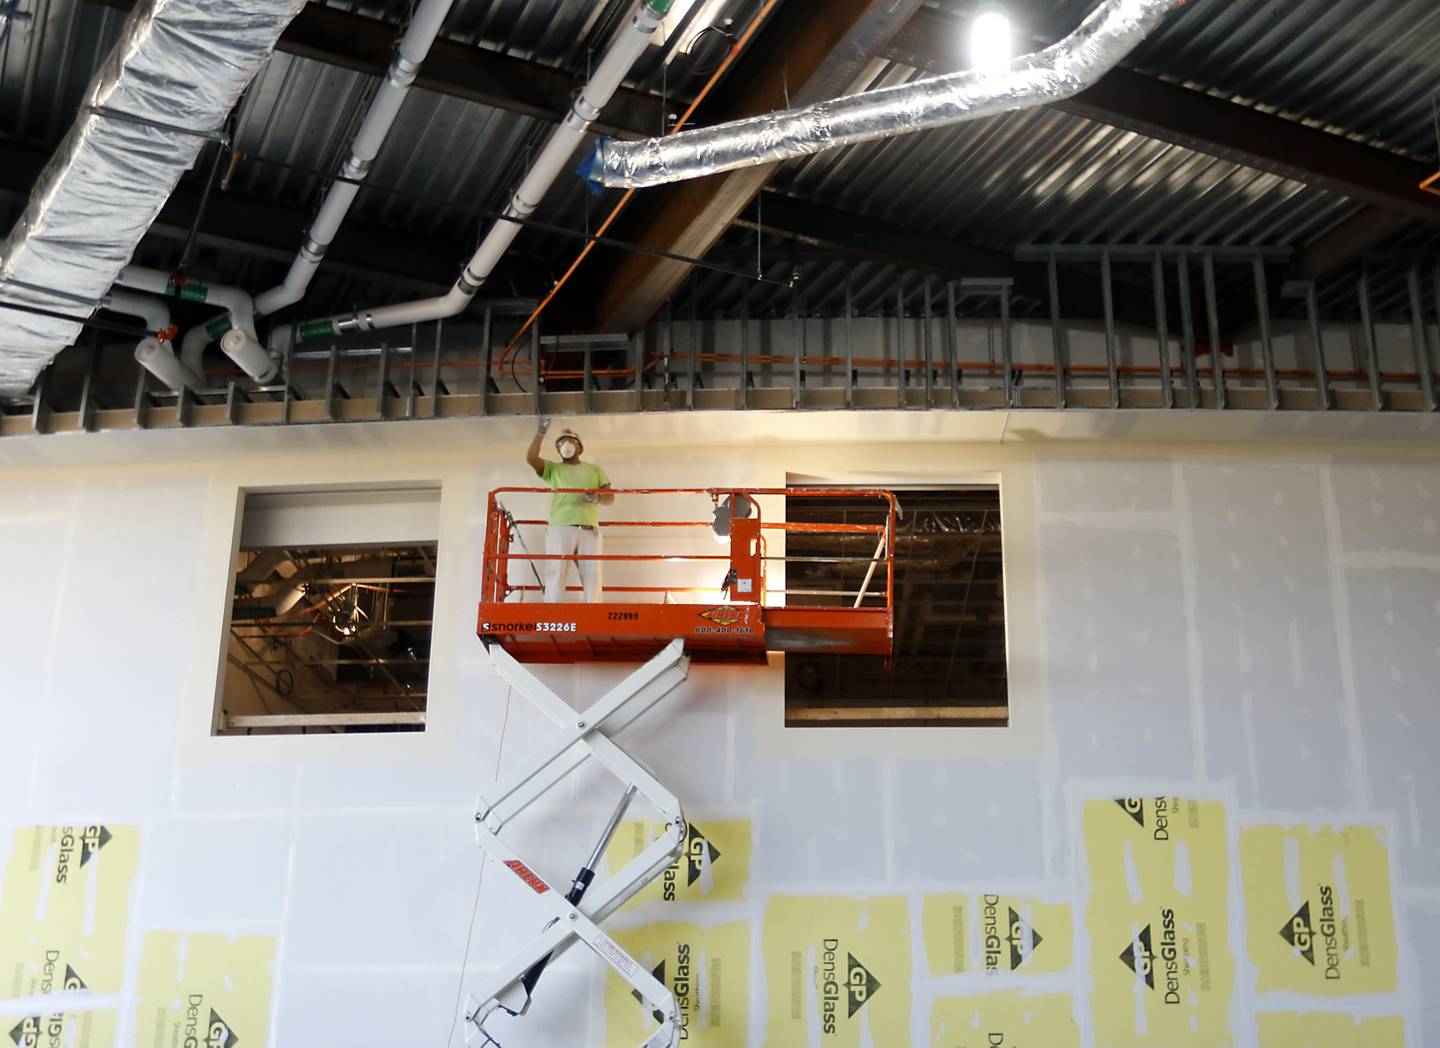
<point>568,509</point>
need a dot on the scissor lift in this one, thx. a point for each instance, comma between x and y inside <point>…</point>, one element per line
<point>739,620</point>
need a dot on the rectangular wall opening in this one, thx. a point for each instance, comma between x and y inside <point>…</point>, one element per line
<point>331,637</point>
<point>949,663</point>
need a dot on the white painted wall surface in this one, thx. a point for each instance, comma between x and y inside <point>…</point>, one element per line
<point>1255,622</point>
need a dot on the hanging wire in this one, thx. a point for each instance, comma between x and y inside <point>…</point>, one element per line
<point>500,216</point>
<point>1435,113</point>
<point>479,880</point>
<point>735,48</point>
<point>664,78</point>
<point>759,232</point>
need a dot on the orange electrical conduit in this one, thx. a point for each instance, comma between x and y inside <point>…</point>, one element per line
<point>730,56</point>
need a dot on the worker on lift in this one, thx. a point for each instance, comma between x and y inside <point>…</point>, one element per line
<point>574,518</point>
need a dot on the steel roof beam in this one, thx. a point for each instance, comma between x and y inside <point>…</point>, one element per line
<point>855,235</point>
<point>1386,183</point>
<point>1167,112</point>
<point>1334,250</point>
<point>1206,124</point>
<point>804,54</point>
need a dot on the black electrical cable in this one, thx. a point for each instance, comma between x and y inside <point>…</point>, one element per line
<point>221,152</point>
<point>89,322</point>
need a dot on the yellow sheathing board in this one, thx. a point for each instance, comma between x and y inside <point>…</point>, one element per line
<point>714,867</point>
<point>988,932</point>
<point>1151,832</point>
<point>1009,1019</point>
<point>835,966</point>
<point>62,1030</point>
<point>64,905</point>
<point>1156,916</point>
<point>1318,912</point>
<point>204,989</point>
<point>1324,1030</point>
<point>708,971</point>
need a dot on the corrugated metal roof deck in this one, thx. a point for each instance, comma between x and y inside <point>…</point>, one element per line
<point>1362,67</point>
<point>1367,70</point>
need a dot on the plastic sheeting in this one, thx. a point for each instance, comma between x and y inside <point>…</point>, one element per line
<point>170,81</point>
<point>1058,72</point>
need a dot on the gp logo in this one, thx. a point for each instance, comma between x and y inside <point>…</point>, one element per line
<point>1299,933</point>
<point>27,1032</point>
<point>1141,961</point>
<point>219,1034</point>
<point>861,983</point>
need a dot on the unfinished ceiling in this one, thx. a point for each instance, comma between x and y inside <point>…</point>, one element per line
<point>1302,124</point>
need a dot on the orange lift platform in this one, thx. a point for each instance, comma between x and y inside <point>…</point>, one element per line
<point>736,618</point>
<point>673,597</point>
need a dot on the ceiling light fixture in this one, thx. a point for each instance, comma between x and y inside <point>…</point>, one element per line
<point>990,38</point>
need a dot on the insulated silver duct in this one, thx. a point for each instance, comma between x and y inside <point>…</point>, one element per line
<point>163,91</point>
<point>1064,69</point>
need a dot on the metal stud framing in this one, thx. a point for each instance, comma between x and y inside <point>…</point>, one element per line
<point>744,365</point>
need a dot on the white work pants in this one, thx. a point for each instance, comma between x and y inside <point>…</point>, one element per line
<point>567,540</point>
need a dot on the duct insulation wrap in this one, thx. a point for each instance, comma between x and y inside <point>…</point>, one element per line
<point>169,83</point>
<point>1064,69</point>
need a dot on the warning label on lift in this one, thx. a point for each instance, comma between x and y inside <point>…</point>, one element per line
<point>519,869</point>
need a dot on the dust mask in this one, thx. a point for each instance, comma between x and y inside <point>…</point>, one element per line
<point>568,449</point>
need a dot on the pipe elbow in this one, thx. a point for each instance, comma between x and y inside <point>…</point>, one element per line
<point>456,301</point>
<point>238,304</point>
<point>277,298</point>
<point>154,312</point>
<point>282,337</point>
<point>192,347</point>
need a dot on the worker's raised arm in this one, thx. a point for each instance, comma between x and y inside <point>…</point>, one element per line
<point>532,454</point>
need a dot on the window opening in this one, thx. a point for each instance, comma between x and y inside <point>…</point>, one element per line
<point>948,666</point>
<point>330,637</point>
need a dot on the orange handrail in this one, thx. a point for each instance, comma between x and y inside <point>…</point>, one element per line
<point>501,527</point>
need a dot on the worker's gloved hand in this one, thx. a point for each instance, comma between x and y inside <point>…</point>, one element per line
<point>543,424</point>
<point>589,496</point>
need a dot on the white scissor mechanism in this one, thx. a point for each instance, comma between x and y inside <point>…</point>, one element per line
<point>576,915</point>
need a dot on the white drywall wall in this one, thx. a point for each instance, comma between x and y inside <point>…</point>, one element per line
<point>1251,623</point>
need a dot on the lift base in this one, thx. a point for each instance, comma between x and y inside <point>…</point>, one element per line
<point>734,633</point>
